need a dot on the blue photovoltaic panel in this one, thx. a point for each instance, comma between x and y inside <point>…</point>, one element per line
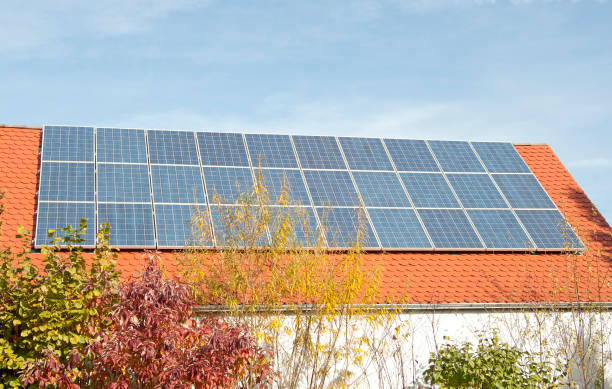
<point>455,156</point>
<point>130,224</point>
<point>499,229</point>
<point>381,189</point>
<point>225,185</point>
<point>476,191</point>
<point>331,188</point>
<point>172,147</point>
<point>123,183</point>
<point>65,181</point>
<point>549,229</point>
<point>500,157</point>
<point>177,184</point>
<point>293,227</point>
<point>68,144</point>
<point>398,228</point>
<point>276,181</point>
<point>222,149</point>
<point>174,226</point>
<point>449,228</point>
<point>411,155</point>
<point>121,145</point>
<point>318,152</point>
<point>365,154</point>
<point>271,151</point>
<point>239,226</point>
<point>55,216</point>
<point>429,190</point>
<point>341,226</point>
<point>523,191</point>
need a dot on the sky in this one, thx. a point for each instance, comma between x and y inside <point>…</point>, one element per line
<point>519,71</point>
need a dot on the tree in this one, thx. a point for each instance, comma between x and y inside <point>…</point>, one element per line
<point>55,309</point>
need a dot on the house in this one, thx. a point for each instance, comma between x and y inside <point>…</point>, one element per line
<point>463,284</point>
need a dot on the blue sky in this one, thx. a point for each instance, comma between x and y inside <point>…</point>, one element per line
<point>522,71</point>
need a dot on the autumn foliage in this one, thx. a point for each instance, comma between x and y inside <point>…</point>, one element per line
<point>154,342</point>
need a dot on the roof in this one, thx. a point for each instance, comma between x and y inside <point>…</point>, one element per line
<point>433,277</point>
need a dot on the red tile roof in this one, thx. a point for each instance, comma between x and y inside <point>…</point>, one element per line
<point>406,276</point>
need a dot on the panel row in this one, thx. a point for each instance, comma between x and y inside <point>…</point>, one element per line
<point>68,181</point>
<point>277,151</point>
<point>180,225</point>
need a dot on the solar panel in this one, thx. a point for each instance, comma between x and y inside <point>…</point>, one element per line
<point>398,228</point>
<point>331,188</point>
<point>549,229</point>
<point>131,225</point>
<point>455,156</point>
<point>123,183</point>
<point>174,226</point>
<point>287,182</point>
<point>500,157</point>
<point>225,185</point>
<point>523,191</point>
<point>68,144</point>
<point>318,152</point>
<point>429,190</point>
<point>222,149</point>
<point>449,228</point>
<point>381,189</point>
<point>177,184</point>
<point>499,229</point>
<point>476,191</point>
<point>172,147</point>
<point>129,173</point>
<point>345,226</point>
<point>271,151</point>
<point>293,227</point>
<point>55,216</point>
<point>66,181</point>
<point>121,145</point>
<point>365,154</point>
<point>241,226</point>
<point>411,155</point>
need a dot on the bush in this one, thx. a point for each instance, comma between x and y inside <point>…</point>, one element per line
<point>55,309</point>
<point>492,365</point>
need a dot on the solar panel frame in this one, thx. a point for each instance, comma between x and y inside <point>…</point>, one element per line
<point>121,145</point>
<point>411,156</point>
<point>521,193</point>
<point>180,228</point>
<point>429,190</point>
<point>67,181</point>
<point>381,189</point>
<point>226,149</point>
<point>444,230</point>
<point>79,149</point>
<point>170,181</point>
<point>476,190</point>
<point>70,212</point>
<point>333,219</point>
<point>455,156</point>
<point>273,180</point>
<point>318,152</point>
<point>505,159</point>
<point>337,189</point>
<point>496,226</point>
<point>221,181</point>
<point>278,148</point>
<point>360,153</point>
<point>136,225</point>
<point>387,221</point>
<point>549,238</point>
<point>183,154</point>
<point>123,183</point>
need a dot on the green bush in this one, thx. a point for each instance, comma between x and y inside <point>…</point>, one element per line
<point>57,308</point>
<point>492,365</point>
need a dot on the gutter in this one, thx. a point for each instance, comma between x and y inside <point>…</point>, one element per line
<point>425,308</point>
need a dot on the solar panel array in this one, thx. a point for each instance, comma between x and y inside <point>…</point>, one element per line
<point>391,194</point>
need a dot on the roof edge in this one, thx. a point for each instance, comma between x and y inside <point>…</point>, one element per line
<point>428,308</point>
<point>2,125</point>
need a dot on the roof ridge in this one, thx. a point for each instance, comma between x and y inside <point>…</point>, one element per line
<point>2,125</point>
